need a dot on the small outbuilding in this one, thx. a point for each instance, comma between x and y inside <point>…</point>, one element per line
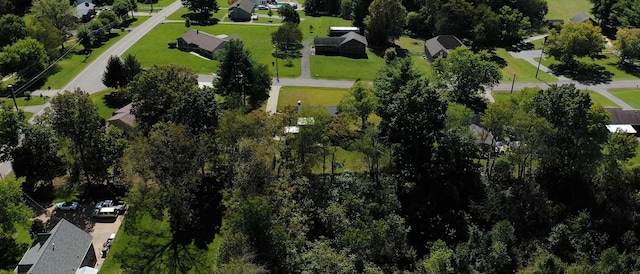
<point>123,119</point>
<point>241,10</point>
<point>349,44</point>
<point>582,18</point>
<point>202,43</point>
<point>440,46</point>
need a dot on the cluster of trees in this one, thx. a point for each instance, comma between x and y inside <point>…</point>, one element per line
<point>614,14</point>
<point>288,38</point>
<point>486,24</point>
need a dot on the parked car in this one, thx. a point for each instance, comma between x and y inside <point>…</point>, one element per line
<point>105,203</point>
<point>121,206</point>
<point>67,206</point>
<point>262,7</point>
<point>105,212</point>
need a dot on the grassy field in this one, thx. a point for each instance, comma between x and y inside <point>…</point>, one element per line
<point>98,99</point>
<point>179,15</point>
<point>23,102</point>
<point>524,71</point>
<point>339,67</point>
<point>565,9</point>
<point>348,161</point>
<point>609,63</point>
<point>629,96</point>
<point>596,98</point>
<point>310,96</point>
<point>320,25</point>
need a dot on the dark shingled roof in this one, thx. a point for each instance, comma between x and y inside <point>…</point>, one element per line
<point>624,117</point>
<point>337,41</point>
<point>442,42</point>
<point>245,5</point>
<point>71,245</point>
<point>580,18</point>
<point>204,40</point>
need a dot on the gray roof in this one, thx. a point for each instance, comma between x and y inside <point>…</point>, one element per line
<point>85,8</point>
<point>123,116</point>
<point>624,117</point>
<point>338,41</point>
<point>580,18</point>
<point>245,5</point>
<point>483,136</point>
<point>204,40</point>
<point>442,43</point>
<point>354,36</point>
<point>62,250</point>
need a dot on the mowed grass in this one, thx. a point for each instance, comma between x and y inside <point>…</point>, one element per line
<point>23,102</point>
<point>596,98</point>
<point>565,9</point>
<point>609,62</point>
<point>629,96</point>
<point>310,96</point>
<point>181,12</point>
<point>524,71</point>
<point>97,98</point>
<point>347,161</point>
<point>339,67</point>
<point>321,25</point>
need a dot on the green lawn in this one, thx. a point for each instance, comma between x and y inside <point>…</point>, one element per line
<point>179,14</point>
<point>23,102</point>
<point>339,67</point>
<point>565,9</point>
<point>411,44</point>
<point>98,99</point>
<point>348,161</point>
<point>609,62</point>
<point>310,96</point>
<point>596,98</point>
<point>320,25</point>
<point>134,22</point>
<point>524,71</point>
<point>69,67</point>
<point>157,5</point>
<point>629,96</point>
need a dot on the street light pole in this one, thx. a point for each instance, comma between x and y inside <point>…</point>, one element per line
<point>13,94</point>
<point>541,52</point>
<point>277,74</point>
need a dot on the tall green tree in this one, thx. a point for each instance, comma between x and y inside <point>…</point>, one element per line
<point>243,80</point>
<point>360,10</point>
<point>13,209</point>
<point>49,36</point>
<point>360,102</point>
<point>86,38</point>
<point>602,10</point>
<point>385,21</point>
<point>12,29</point>
<point>74,117</point>
<point>575,40</point>
<point>132,67</point>
<point>121,7</point>
<point>454,17</point>
<point>288,39</point>
<point>390,80</point>
<point>202,8</point>
<point>289,14</point>
<point>626,14</point>
<point>465,75</point>
<point>37,158</point>
<point>113,75</point>
<point>59,12</point>
<point>628,44</point>
<point>11,124</point>
<point>27,58</point>
<point>514,25</point>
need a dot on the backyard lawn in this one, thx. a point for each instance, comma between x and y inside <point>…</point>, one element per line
<point>524,71</point>
<point>320,25</point>
<point>310,96</point>
<point>565,9</point>
<point>629,96</point>
<point>98,99</point>
<point>179,15</point>
<point>348,161</point>
<point>609,63</point>
<point>23,102</point>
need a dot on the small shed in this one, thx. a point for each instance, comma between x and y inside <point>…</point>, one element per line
<point>582,18</point>
<point>241,10</point>
<point>440,46</point>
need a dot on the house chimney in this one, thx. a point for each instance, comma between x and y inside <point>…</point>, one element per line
<point>299,106</point>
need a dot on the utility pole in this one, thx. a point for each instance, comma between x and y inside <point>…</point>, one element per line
<point>513,82</point>
<point>277,74</point>
<point>13,94</point>
<point>541,53</point>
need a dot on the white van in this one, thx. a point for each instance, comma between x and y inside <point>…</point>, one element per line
<point>105,212</point>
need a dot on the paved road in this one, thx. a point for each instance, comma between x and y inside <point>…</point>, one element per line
<point>305,67</point>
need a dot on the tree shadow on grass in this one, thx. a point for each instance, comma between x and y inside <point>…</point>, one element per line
<point>585,73</point>
<point>116,99</point>
<point>630,68</point>
<point>198,19</point>
<point>498,60</point>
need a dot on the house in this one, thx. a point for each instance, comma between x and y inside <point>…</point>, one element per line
<point>202,43</point>
<point>241,10</point>
<point>349,44</point>
<point>440,46</point>
<point>65,249</point>
<point>123,118</point>
<point>581,18</point>
<point>85,11</point>
<point>624,120</point>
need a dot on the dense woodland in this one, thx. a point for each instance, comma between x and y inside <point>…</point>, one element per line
<point>206,165</point>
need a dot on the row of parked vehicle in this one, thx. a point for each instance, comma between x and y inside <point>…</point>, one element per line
<point>103,209</point>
